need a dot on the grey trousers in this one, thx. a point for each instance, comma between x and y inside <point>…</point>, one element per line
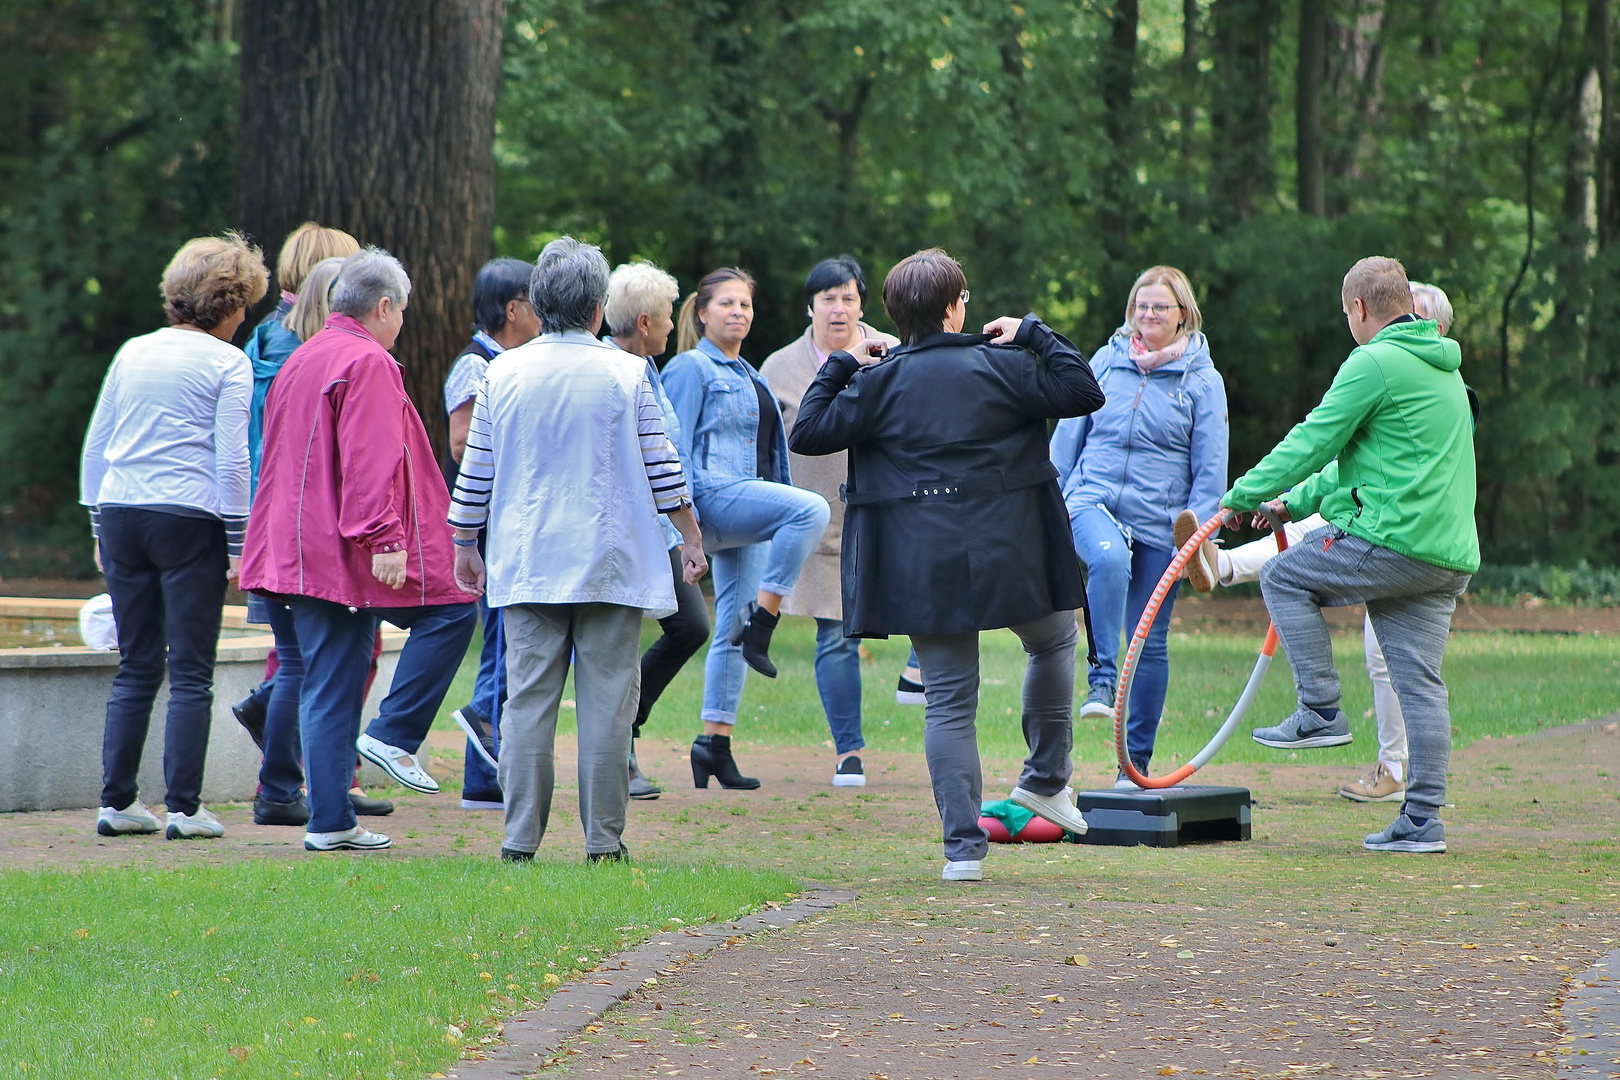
<point>605,642</point>
<point>1410,603</point>
<point>950,669</point>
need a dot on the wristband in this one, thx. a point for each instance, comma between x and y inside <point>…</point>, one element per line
<point>459,542</point>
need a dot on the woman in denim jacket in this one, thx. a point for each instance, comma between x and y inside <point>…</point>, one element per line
<point>1157,448</point>
<point>758,529</point>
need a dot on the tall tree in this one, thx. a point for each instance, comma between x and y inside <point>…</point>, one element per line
<point>378,117</point>
<point>1118,74</point>
<point>1311,69</point>
<point>1241,116</point>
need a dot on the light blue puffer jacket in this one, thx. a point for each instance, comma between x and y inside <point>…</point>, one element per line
<point>1156,448</point>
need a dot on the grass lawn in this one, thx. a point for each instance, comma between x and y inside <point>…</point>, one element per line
<point>1501,684</point>
<point>330,967</point>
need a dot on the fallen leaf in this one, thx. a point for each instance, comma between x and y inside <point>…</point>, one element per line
<point>1078,960</point>
<point>240,1053</point>
<point>1169,1070</point>
<point>1184,954</point>
<point>1033,1059</point>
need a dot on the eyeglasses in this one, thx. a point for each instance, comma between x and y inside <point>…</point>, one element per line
<point>966,295</point>
<point>1159,310</point>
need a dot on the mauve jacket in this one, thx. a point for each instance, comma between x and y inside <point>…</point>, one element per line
<point>347,472</point>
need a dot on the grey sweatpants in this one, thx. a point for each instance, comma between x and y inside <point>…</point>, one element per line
<point>1410,603</point>
<point>950,669</point>
<point>605,642</point>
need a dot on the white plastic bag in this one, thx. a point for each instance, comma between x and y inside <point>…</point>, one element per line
<point>96,624</point>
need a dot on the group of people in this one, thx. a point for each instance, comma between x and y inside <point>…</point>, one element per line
<point>882,485</point>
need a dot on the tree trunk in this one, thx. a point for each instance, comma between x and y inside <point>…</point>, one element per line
<point>1308,106</point>
<point>1241,115</point>
<point>1118,71</point>
<point>378,117</point>
<point>1189,102</point>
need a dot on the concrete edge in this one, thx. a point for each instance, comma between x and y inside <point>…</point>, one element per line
<point>531,1038</point>
<point>1590,1010</point>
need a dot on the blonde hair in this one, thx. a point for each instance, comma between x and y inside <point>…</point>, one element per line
<point>1430,302</point>
<point>1191,318</point>
<point>211,278</point>
<point>1380,283</point>
<point>636,289</point>
<point>314,302</point>
<point>307,245</point>
<point>690,328</point>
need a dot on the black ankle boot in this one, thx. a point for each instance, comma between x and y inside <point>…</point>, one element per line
<point>752,630</point>
<point>711,756</point>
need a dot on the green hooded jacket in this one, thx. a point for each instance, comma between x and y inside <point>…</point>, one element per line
<point>1397,420</point>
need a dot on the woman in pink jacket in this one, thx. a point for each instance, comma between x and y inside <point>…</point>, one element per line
<point>348,529</point>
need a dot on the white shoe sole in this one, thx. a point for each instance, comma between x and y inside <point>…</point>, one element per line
<point>181,832</point>
<point>844,780</point>
<point>1394,796</point>
<point>1415,847</point>
<point>481,804</point>
<point>1314,742</point>
<point>1092,710</point>
<point>472,738</point>
<point>350,845</point>
<point>910,697</point>
<point>110,827</point>
<point>386,764</point>
<point>1039,806</point>
<point>962,873</point>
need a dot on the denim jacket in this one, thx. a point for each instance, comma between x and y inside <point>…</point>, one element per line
<point>719,419</point>
<point>1156,448</point>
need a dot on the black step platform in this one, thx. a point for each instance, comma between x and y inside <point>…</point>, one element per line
<point>1165,817</point>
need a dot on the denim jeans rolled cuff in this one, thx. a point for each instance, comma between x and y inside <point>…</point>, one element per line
<point>166,576</point>
<point>789,520</point>
<point>838,680</point>
<point>736,573</point>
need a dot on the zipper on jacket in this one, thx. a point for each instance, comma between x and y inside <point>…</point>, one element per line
<point>1357,498</point>
<point>1130,442</point>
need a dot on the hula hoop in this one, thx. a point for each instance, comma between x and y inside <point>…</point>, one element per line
<point>1172,576</point>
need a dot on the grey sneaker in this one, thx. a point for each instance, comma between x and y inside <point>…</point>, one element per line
<point>134,818</point>
<point>199,826</point>
<point>1402,835</point>
<point>1099,702</point>
<point>1306,729</point>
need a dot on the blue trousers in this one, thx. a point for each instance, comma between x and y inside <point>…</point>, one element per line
<point>1121,577</point>
<point>281,773</point>
<point>489,695</point>
<point>838,678</point>
<point>335,644</point>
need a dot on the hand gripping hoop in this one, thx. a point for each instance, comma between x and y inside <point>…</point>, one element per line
<point>1171,578</point>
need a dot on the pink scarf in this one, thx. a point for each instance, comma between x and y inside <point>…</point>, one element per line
<point>1146,361</point>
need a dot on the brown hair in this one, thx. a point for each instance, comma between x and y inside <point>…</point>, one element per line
<point>920,290</point>
<point>1380,283</point>
<point>307,245</point>
<point>1174,280</point>
<point>211,278</point>
<point>690,328</point>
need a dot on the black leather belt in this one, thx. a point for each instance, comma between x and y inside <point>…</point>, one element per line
<point>990,483</point>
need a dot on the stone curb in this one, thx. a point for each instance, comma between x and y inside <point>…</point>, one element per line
<point>531,1038</point>
<point>1591,1012</point>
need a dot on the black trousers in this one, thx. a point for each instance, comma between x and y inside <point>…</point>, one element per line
<point>684,634</point>
<point>166,576</point>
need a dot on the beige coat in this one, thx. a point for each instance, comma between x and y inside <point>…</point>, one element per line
<point>789,371</point>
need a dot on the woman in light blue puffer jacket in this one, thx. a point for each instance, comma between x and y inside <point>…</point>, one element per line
<point>1158,447</point>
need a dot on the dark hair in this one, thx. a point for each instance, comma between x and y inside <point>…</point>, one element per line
<point>689,328</point>
<point>499,283</point>
<point>920,290</point>
<point>831,273</point>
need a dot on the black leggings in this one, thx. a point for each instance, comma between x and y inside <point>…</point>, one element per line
<point>684,634</point>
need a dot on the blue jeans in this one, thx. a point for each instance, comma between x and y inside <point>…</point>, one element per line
<point>281,774</point>
<point>336,647</point>
<point>757,535</point>
<point>1121,578</point>
<point>489,694</point>
<point>838,678</point>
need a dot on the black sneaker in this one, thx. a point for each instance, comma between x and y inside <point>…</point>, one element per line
<point>479,730</point>
<point>482,800</point>
<point>909,692</point>
<point>266,812</point>
<point>849,773</point>
<point>508,855</point>
<point>622,855</point>
<point>250,713</point>
<point>365,806</point>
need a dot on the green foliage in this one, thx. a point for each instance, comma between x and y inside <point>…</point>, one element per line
<point>118,118</point>
<point>1580,584</point>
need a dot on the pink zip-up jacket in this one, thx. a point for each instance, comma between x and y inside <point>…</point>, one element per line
<point>347,472</point>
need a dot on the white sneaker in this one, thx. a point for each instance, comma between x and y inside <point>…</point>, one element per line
<point>402,766</point>
<point>358,838</point>
<point>1054,808</point>
<point>198,826</point>
<point>134,818</point>
<point>966,870</point>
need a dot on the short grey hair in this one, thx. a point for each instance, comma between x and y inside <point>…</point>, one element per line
<point>367,276</point>
<point>1430,302</point>
<point>569,282</point>
<point>636,289</point>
